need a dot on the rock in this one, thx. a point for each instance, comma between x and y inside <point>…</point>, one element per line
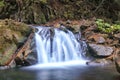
<point>97,38</point>
<point>117,35</point>
<point>101,50</point>
<point>32,58</point>
<point>98,62</point>
<point>4,67</point>
<point>117,59</point>
<point>12,35</point>
<point>11,65</point>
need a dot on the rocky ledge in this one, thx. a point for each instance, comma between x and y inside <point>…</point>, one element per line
<point>103,47</point>
<point>12,36</point>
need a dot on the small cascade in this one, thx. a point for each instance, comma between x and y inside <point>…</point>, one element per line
<point>55,45</point>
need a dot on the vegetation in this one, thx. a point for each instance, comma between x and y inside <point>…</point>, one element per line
<point>1,3</point>
<point>9,52</point>
<point>40,11</point>
<point>106,27</point>
<point>44,1</point>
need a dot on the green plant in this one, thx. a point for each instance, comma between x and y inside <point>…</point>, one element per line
<point>106,27</point>
<point>43,1</point>
<point>2,3</point>
<point>40,1</point>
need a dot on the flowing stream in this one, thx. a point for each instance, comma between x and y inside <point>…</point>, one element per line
<point>59,45</point>
<point>56,45</point>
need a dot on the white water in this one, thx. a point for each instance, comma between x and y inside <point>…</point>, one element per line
<point>58,48</point>
<point>55,45</point>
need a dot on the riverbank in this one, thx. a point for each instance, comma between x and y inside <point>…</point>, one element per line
<point>103,47</point>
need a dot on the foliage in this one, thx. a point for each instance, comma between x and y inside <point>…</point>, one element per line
<point>2,3</point>
<point>9,52</point>
<point>42,1</point>
<point>106,27</point>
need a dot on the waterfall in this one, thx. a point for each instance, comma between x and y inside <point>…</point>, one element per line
<point>55,45</point>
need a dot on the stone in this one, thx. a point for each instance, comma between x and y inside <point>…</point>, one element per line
<point>97,38</point>
<point>117,35</point>
<point>12,34</point>
<point>31,59</point>
<point>102,50</point>
<point>98,62</point>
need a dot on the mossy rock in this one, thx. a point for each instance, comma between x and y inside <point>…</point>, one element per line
<point>8,52</point>
<point>12,33</point>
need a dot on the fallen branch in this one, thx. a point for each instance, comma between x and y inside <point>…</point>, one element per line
<point>21,50</point>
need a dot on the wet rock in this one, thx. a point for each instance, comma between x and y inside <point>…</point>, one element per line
<point>25,55</point>
<point>102,50</point>
<point>4,67</point>
<point>31,58</point>
<point>11,65</point>
<point>98,62</point>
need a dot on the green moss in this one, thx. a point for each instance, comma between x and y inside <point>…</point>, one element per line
<point>68,15</point>
<point>41,1</point>
<point>11,34</point>
<point>2,3</point>
<point>15,26</point>
<point>106,27</point>
<point>9,52</point>
<point>44,1</point>
<point>43,19</point>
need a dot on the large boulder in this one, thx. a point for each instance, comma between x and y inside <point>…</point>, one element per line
<point>12,36</point>
<point>102,50</point>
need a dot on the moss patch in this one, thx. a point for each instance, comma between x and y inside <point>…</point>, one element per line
<point>12,33</point>
<point>8,53</point>
<point>2,3</point>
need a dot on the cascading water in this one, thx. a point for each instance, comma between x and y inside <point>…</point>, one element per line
<point>55,45</point>
<point>58,48</point>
